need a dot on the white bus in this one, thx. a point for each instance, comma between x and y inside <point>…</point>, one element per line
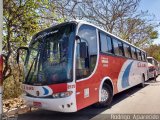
<point>76,64</point>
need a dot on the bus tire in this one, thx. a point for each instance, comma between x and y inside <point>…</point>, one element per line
<point>143,81</point>
<point>106,96</point>
<point>155,77</point>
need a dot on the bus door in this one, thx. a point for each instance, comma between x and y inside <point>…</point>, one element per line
<point>85,73</point>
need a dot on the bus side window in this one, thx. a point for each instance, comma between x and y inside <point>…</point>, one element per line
<point>143,56</point>
<point>133,52</point>
<point>139,54</point>
<point>118,47</point>
<point>106,43</point>
<point>127,50</point>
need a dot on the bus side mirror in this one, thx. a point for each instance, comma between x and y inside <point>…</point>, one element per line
<point>83,50</point>
<point>18,50</point>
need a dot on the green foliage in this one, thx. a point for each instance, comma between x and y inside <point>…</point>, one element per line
<point>154,34</point>
<point>22,19</point>
<point>20,23</point>
<point>154,51</point>
<point>12,89</point>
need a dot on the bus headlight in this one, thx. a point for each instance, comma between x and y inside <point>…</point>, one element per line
<point>62,94</point>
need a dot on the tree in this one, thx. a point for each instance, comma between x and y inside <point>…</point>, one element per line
<point>19,25</point>
<point>154,51</point>
<point>22,19</point>
<point>120,17</point>
<point>137,31</point>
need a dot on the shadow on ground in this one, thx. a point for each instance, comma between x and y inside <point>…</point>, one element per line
<point>84,114</point>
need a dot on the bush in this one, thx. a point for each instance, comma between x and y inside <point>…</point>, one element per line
<point>11,88</point>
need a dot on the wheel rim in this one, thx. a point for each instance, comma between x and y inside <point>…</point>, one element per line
<point>104,95</point>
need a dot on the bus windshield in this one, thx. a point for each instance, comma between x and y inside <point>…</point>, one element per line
<point>150,60</point>
<point>50,57</point>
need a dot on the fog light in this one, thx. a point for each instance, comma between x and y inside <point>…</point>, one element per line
<point>62,106</point>
<point>68,105</point>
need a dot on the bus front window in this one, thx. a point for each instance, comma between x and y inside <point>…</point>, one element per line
<point>86,66</point>
<point>150,61</point>
<point>50,59</point>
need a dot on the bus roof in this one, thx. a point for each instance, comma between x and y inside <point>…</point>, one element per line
<point>153,59</point>
<point>84,22</point>
<point>150,57</point>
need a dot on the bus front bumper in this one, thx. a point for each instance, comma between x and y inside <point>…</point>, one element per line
<point>67,104</point>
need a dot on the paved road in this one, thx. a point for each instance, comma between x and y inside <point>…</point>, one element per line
<point>135,100</point>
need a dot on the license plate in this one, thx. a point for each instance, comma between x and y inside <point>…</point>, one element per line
<point>37,104</point>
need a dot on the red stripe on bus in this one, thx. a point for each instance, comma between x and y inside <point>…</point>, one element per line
<point>59,87</point>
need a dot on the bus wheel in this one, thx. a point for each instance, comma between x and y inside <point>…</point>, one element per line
<point>155,77</point>
<point>106,96</point>
<point>143,81</point>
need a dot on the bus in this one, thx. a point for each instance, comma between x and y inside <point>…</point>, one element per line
<point>156,66</point>
<point>151,71</point>
<point>76,64</point>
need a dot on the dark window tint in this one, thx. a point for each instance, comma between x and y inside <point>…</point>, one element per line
<point>50,56</point>
<point>143,56</point>
<point>133,52</point>
<point>156,63</point>
<point>106,43</point>
<point>118,47</point>
<point>127,50</point>
<point>139,54</point>
<point>150,60</point>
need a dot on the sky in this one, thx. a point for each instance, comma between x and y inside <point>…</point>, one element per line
<point>153,7</point>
